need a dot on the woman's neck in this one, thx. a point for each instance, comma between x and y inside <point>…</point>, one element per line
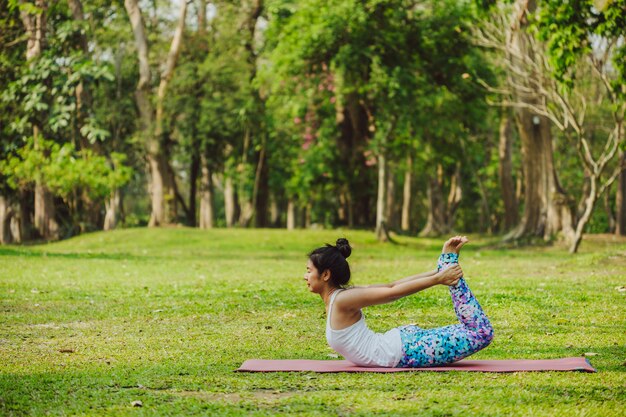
<point>327,293</point>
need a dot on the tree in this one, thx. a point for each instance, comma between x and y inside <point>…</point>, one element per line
<point>545,84</point>
<point>14,217</point>
<point>208,95</point>
<point>369,74</point>
<point>50,114</point>
<point>505,31</point>
<point>111,45</point>
<point>593,31</point>
<point>162,185</point>
<point>507,185</point>
<point>34,20</point>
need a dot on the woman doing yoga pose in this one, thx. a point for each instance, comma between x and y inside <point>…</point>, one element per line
<point>328,273</point>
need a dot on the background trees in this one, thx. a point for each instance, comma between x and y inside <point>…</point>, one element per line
<point>381,114</point>
<point>564,66</point>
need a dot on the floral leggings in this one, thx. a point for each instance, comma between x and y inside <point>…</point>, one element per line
<point>433,347</point>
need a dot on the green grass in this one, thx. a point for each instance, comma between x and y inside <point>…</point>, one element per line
<point>90,324</point>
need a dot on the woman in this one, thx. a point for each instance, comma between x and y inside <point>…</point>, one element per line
<point>328,273</point>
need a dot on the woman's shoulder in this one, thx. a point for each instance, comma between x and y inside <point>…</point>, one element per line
<point>345,296</point>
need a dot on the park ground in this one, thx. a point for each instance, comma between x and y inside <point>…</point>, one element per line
<point>92,324</point>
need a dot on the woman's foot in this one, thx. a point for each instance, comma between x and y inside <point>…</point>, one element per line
<point>454,244</point>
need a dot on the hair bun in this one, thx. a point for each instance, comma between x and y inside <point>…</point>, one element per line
<point>344,247</point>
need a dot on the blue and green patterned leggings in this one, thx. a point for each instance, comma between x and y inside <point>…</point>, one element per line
<point>433,347</point>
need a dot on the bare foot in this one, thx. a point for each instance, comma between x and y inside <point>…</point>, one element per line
<point>454,244</point>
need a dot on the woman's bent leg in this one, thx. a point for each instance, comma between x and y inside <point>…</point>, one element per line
<point>433,347</point>
<point>466,306</point>
<point>448,344</point>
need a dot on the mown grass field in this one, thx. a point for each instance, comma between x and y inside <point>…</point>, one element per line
<point>91,324</point>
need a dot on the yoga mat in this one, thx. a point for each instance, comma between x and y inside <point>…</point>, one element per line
<point>508,365</point>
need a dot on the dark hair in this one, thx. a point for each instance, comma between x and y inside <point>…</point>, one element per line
<point>333,259</point>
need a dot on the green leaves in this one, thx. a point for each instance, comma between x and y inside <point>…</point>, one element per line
<point>93,133</point>
<point>397,64</point>
<point>48,85</point>
<point>63,170</point>
<point>577,28</point>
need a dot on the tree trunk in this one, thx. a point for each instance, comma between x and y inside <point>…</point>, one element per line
<point>291,215</point>
<point>351,145</point>
<point>381,233</point>
<point>45,212</point>
<point>436,218</point>
<point>454,198</point>
<point>5,221</point>
<point>260,194</point>
<point>610,217</point>
<point>90,213</point>
<point>274,212</point>
<point>546,207</point>
<point>390,210</point>
<point>26,209</point>
<point>162,181</point>
<point>406,195</point>
<point>246,213</point>
<point>16,230</point>
<point>161,151</point>
<point>112,210</point>
<point>196,148</point>
<point>157,191</point>
<point>146,112</point>
<point>586,189</point>
<point>342,216</point>
<point>442,213</point>
<point>45,223</point>
<point>307,216</point>
<point>533,217</point>
<point>505,169</point>
<point>257,209</point>
<point>206,195</point>
<point>194,170</point>
<point>620,199</point>
<point>35,25</point>
<point>486,221</point>
<point>590,201</point>
<point>229,201</point>
<point>345,212</point>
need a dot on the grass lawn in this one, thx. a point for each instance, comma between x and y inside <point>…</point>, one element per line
<point>91,324</point>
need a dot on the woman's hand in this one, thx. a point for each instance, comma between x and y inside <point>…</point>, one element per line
<point>450,276</point>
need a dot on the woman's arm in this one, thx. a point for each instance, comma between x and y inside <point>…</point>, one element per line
<point>359,297</point>
<point>403,280</point>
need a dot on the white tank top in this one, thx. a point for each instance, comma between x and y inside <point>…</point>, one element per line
<point>362,346</point>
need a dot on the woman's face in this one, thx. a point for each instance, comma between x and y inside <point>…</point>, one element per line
<point>313,279</point>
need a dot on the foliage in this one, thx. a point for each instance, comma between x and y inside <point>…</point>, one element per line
<point>210,94</point>
<point>11,57</point>
<point>64,170</point>
<point>573,29</point>
<point>46,86</point>
<point>406,65</point>
<point>57,135</point>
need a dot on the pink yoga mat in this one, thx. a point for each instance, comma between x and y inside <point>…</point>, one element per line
<point>509,365</point>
